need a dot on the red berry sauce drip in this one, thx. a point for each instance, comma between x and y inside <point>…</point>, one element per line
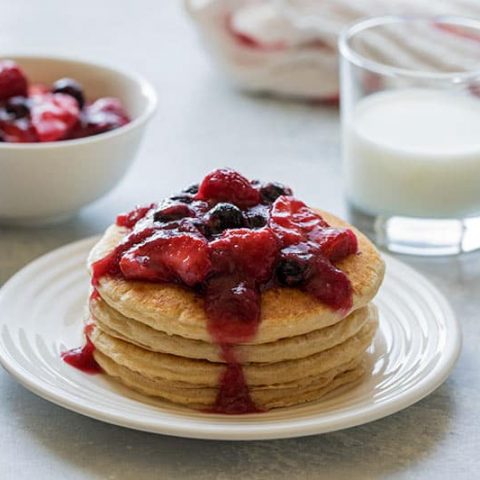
<point>233,395</point>
<point>230,239</point>
<point>82,357</point>
<point>233,310</point>
<point>94,295</point>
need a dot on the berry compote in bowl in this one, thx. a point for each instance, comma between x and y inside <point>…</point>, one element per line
<point>69,130</point>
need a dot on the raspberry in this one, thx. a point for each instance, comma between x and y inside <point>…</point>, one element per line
<point>226,185</point>
<point>13,81</point>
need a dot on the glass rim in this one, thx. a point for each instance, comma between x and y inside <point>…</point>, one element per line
<point>348,52</point>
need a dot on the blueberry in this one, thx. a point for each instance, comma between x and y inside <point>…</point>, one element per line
<point>182,198</point>
<point>18,107</point>
<point>192,189</point>
<point>199,226</point>
<point>271,191</point>
<point>223,216</point>
<point>71,87</point>
<point>172,212</point>
<point>293,270</point>
<point>257,217</point>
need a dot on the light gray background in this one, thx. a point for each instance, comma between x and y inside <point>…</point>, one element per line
<point>203,123</point>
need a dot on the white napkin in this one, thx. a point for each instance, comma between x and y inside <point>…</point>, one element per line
<point>289,47</point>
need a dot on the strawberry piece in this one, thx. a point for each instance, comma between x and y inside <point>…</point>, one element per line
<point>329,285</point>
<point>292,220</point>
<point>168,256</point>
<point>18,131</point>
<point>250,252</point>
<point>53,116</point>
<point>227,185</point>
<point>335,243</point>
<point>129,219</point>
<point>13,81</point>
<point>109,265</point>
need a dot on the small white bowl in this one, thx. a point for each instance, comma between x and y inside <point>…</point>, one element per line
<point>46,182</point>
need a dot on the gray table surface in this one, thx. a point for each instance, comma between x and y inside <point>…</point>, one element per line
<point>203,123</point>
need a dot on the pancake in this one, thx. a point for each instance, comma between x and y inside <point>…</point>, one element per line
<point>116,325</point>
<point>285,312</point>
<point>181,370</point>
<point>264,398</point>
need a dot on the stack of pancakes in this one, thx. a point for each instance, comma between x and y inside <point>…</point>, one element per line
<point>154,337</point>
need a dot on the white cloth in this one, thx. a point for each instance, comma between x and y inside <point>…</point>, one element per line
<point>290,47</point>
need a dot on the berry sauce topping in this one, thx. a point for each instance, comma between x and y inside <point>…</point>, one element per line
<point>42,113</point>
<point>229,239</point>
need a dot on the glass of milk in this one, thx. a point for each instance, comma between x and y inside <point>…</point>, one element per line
<point>410,101</point>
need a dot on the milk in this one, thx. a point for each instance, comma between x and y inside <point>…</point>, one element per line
<point>414,152</point>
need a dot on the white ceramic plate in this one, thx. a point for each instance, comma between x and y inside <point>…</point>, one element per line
<point>41,311</point>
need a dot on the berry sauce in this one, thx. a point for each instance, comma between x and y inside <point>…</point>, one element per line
<point>229,239</point>
<point>233,395</point>
<point>233,311</point>
<point>82,357</point>
<point>94,295</point>
<point>110,264</point>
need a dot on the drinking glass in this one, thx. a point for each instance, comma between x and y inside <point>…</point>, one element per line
<point>410,107</point>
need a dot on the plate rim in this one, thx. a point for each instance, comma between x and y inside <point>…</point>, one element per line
<point>187,428</point>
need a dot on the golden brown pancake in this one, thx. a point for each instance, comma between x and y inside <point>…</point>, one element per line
<point>194,373</point>
<point>285,312</point>
<point>264,398</point>
<point>116,325</point>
